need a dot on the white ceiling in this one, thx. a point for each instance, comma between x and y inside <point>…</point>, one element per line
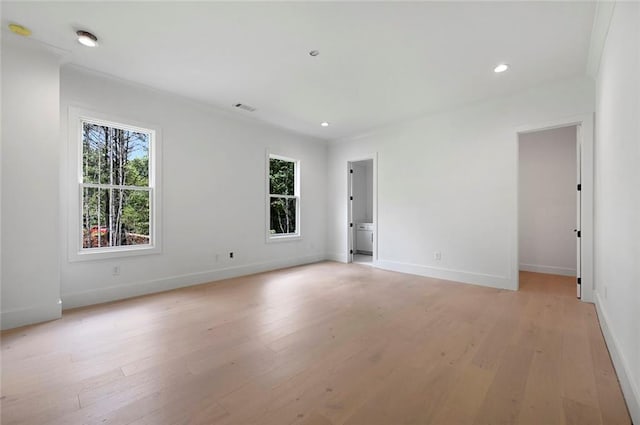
<point>379,62</point>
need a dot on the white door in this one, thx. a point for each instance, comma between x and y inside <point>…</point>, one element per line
<point>578,209</point>
<point>351,230</point>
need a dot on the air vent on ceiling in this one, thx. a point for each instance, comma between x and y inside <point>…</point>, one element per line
<point>244,107</point>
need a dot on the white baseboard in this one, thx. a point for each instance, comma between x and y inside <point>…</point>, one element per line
<point>494,281</point>
<point>30,315</point>
<point>119,292</point>
<point>537,268</point>
<point>620,363</point>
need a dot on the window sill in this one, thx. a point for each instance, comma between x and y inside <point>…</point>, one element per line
<point>105,254</point>
<point>284,238</point>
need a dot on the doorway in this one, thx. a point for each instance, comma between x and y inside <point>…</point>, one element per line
<point>361,221</point>
<point>549,202</point>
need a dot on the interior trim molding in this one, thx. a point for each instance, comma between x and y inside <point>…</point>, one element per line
<point>586,134</point>
<point>620,363</point>
<point>120,292</point>
<point>493,281</point>
<point>30,315</point>
<point>539,268</point>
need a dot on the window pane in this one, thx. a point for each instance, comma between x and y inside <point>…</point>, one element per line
<point>94,153</point>
<point>114,156</point>
<point>283,215</point>
<point>114,217</point>
<point>282,177</point>
<point>94,231</point>
<point>135,217</point>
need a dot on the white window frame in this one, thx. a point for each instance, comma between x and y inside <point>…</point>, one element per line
<point>288,236</point>
<point>76,251</point>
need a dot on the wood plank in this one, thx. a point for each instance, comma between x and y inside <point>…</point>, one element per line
<point>613,409</point>
<point>577,368</point>
<point>576,413</point>
<point>505,396</point>
<point>542,401</point>
<point>463,402</point>
<point>322,344</point>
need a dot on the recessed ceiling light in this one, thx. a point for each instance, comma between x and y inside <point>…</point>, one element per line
<point>501,68</point>
<point>20,30</point>
<point>324,124</point>
<point>314,53</point>
<point>87,39</point>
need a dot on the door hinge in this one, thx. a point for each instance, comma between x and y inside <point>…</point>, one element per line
<point>351,198</point>
<point>351,171</point>
<point>579,281</point>
<point>578,233</point>
<point>350,224</point>
<point>351,251</point>
<point>579,187</point>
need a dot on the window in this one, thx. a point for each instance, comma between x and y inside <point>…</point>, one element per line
<point>116,188</point>
<point>283,202</point>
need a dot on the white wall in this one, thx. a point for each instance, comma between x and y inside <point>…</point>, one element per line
<point>30,134</point>
<point>547,201</point>
<point>617,202</point>
<point>448,182</point>
<point>363,191</point>
<point>213,173</point>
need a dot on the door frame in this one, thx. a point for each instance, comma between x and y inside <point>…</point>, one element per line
<point>584,135</point>
<point>350,230</point>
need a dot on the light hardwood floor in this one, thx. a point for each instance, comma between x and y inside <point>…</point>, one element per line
<point>321,344</point>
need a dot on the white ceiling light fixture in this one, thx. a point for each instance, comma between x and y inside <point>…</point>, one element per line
<point>501,68</point>
<point>324,124</point>
<point>87,39</point>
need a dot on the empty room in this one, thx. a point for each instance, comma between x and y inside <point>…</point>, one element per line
<point>320,213</point>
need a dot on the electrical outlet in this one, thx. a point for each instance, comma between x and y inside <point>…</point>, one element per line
<point>115,271</point>
<point>231,255</point>
<point>437,256</point>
